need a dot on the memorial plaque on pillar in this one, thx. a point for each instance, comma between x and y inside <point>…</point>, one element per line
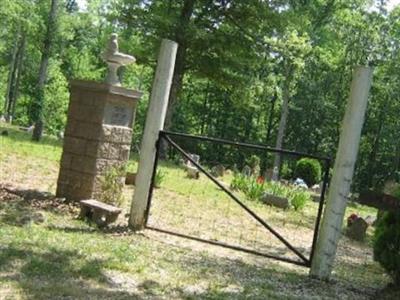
<point>118,114</point>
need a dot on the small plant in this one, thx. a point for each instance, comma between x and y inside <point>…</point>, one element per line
<point>159,178</point>
<point>309,170</point>
<point>239,182</point>
<point>299,199</point>
<point>277,189</point>
<point>387,244</point>
<point>111,185</point>
<point>254,190</point>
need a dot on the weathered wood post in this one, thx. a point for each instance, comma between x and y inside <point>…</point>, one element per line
<point>346,156</point>
<point>154,123</point>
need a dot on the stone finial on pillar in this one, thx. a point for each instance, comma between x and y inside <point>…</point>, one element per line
<point>114,60</point>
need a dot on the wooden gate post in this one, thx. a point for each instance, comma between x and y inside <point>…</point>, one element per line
<point>343,170</point>
<point>154,123</point>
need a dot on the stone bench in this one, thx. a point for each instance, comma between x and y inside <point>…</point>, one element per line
<point>101,213</point>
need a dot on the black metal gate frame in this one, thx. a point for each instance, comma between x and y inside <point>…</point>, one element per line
<point>304,261</point>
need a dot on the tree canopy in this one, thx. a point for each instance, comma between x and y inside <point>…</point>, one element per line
<point>274,72</point>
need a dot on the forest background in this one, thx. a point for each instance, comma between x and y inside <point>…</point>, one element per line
<point>273,72</point>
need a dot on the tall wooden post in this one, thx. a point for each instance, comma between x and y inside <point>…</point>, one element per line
<point>339,190</point>
<point>154,123</point>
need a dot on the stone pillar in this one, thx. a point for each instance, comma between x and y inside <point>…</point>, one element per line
<point>98,135</point>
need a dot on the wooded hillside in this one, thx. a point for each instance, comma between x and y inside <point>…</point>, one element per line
<point>272,72</point>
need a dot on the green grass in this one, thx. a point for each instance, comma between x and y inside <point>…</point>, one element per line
<point>47,253</point>
<point>20,142</point>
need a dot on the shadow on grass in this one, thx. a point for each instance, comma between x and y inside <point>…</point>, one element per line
<point>269,282</point>
<point>56,273</point>
<point>113,230</point>
<point>30,194</point>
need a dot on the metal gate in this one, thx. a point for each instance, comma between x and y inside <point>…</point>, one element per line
<point>301,258</point>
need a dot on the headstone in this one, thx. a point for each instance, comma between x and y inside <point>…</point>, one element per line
<point>316,188</point>
<point>194,157</point>
<point>268,174</point>
<point>284,182</point>
<point>191,169</point>
<point>371,220</point>
<point>276,201</point>
<point>192,172</point>
<point>246,171</point>
<point>315,197</point>
<point>218,171</point>
<point>275,173</point>
<point>357,230</point>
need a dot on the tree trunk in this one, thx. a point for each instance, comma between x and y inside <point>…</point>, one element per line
<point>11,80</point>
<point>264,161</point>
<point>375,146</point>
<point>15,90</point>
<point>282,124</point>
<point>48,41</point>
<point>204,114</point>
<point>270,118</point>
<point>396,160</point>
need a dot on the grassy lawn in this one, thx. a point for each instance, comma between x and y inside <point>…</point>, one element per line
<point>47,253</point>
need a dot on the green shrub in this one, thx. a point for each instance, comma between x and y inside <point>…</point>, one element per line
<point>296,196</point>
<point>286,172</point>
<point>277,189</point>
<point>309,170</point>
<point>254,189</point>
<point>111,185</point>
<point>387,244</point>
<point>239,182</point>
<point>299,199</point>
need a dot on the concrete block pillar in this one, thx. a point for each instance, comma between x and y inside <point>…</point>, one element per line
<point>98,136</point>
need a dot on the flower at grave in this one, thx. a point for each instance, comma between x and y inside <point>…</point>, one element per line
<point>351,219</point>
<point>260,179</point>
